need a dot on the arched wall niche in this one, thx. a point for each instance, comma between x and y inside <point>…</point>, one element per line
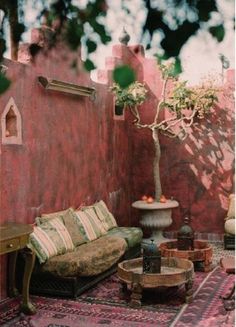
<point>11,124</point>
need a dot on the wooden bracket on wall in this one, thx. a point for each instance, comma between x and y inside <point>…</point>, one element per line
<point>65,87</point>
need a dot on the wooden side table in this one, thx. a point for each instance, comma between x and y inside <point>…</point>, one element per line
<point>174,272</point>
<point>14,237</point>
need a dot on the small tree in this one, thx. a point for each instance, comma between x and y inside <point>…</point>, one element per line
<point>183,105</point>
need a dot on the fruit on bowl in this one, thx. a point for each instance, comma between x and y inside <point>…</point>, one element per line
<point>144,198</point>
<point>162,199</point>
<point>150,199</point>
<point>147,199</point>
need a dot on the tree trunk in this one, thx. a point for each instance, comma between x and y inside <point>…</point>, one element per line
<point>156,165</point>
<point>13,21</point>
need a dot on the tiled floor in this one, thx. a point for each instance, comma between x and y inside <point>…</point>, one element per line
<point>219,252</point>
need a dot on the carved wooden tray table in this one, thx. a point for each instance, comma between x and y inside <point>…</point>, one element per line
<point>202,253</point>
<point>174,272</point>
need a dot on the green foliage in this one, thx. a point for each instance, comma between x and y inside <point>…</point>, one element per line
<point>91,46</point>
<point>74,32</point>
<point>19,29</point>
<point>179,20</point>
<point>169,69</point>
<point>134,94</point>
<point>89,65</point>
<point>123,76</point>
<point>176,20</point>
<point>4,83</point>
<point>218,32</point>
<point>2,47</point>
<point>199,98</point>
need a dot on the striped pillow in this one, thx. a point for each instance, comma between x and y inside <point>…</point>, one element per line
<point>91,224</point>
<point>50,239</point>
<point>104,215</point>
<point>75,229</point>
<point>48,216</point>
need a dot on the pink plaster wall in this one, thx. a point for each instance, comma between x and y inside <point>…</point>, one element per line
<point>197,172</point>
<point>74,152</point>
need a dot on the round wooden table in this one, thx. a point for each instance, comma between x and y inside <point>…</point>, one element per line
<point>201,256</point>
<point>174,272</point>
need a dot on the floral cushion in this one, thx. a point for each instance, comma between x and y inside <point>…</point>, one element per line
<point>88,259</point>
<point>132,235</point>
<point>50,239</point>
<point>105,216</point>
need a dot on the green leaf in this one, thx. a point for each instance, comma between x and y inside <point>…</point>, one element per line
<point>100,30</point>
<point>91,46</point>
<point>205,8</point>
<point>177,67</point>
<point>89,65</point>
<point>123,76</point>
<point>2,47</point>
<point>4,83</point>
<point>19,29</point>
<point>218,32</point>
<point>74,33</point>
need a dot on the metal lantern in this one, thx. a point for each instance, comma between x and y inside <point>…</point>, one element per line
<point>151,258</point>
<point>185,236</point>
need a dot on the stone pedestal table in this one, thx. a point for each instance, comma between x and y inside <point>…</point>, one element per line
<point>156,216</point>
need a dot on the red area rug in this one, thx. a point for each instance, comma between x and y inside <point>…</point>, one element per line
<point>107,305</point>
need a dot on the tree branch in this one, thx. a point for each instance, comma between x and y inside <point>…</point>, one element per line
<point>163,96</point>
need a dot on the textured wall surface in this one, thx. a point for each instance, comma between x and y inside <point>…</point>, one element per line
<point>198,172</point>
<point>74,152</point>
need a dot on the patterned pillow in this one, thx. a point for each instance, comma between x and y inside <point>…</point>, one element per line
<point>90,222</point>
<point>104,215</point>
<point>50,239</point>
<point>48,216</point>
<point>74,227</point>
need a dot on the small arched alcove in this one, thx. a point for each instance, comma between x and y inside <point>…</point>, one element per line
<point>11,124</point>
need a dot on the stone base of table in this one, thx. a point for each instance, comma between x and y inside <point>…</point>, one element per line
<point>174,272</point>
<point>155,217</point>
<point>201,256</point>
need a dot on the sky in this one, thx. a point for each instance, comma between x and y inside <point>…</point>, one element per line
<point>199,56</point>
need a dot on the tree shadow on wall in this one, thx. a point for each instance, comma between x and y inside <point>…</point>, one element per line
<point>200,172</point>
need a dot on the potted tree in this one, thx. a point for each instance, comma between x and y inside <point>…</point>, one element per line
<point>182,106</point>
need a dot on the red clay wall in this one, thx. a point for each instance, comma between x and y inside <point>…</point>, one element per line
<point>198,172</point>
<point>74,152</point>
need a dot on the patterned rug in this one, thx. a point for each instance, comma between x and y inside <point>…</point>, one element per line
<point>107,305</point>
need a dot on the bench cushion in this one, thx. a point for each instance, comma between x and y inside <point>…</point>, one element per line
<point>230,226</point>
<point>231,209</point>
<point>88,259</point>
<point>132,235</point>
